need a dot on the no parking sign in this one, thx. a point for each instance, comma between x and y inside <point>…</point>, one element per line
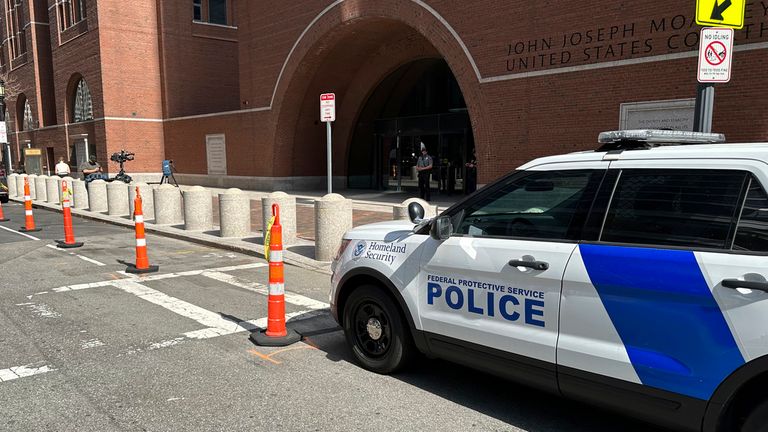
<point>715,53</point>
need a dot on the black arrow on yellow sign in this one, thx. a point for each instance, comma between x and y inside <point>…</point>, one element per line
<point>717,11</point>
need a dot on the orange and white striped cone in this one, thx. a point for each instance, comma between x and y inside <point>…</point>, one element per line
<point>69,232</point>
<point>276,333</point>
<point>2,216</point>
<point>142,262</point>
<point>29,219</point>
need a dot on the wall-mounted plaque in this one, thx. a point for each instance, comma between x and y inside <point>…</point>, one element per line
<point>676,114</point>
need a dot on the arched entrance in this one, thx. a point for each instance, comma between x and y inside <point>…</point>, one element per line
<point>420,102</point>
<point>357,50</point>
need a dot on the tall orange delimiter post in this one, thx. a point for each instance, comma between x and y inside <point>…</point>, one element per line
<point>142,261</point>
<point>276,333</point>
<point>69,232</point>
<point>2,216</point>
<point>29,218</point>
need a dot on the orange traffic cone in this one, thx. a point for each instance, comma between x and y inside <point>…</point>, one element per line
<point>69,233</point>
<point>29,219</point>
<point>276,333</point>
<point>2,216</point>
<point>142,262</point>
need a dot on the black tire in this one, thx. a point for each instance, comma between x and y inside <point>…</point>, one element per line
<point>757,419</point>
<point>4,199</point>
<point>375,331</point>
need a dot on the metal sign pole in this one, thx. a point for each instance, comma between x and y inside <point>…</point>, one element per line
<point>705,102</point>
<point>328,136</point>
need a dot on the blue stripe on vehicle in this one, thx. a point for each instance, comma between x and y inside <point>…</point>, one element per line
<point>672,328</point>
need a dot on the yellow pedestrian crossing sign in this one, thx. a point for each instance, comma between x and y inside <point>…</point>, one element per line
<point>721,13</point>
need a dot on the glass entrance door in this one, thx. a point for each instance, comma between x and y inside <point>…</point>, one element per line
<point>398,141</point>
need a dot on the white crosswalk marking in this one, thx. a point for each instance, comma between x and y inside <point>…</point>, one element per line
<point>295,299</point>
<point>215,325</point>
<point>23,371</point>
<point>180,307</point>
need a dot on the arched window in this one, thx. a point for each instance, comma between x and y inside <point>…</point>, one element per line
<point>24,119</point>
<point>83,107</point>
<point>29,122</point>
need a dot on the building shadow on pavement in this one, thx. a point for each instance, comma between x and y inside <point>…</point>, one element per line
<point>516,405</point>
<point>307,251</point>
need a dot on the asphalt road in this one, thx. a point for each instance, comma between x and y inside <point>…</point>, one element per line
<point>86,347</point>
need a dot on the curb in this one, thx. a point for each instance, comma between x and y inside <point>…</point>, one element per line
<point>231,244</point>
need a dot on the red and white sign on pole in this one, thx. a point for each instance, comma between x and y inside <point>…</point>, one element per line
<point>715,54</point>
<point>328,107</point>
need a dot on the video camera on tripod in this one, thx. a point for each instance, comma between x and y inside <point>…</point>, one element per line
<point>122,158</point>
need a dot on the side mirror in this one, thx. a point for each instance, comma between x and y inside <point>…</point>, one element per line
<point>441,228</point>
<point>415,212</point>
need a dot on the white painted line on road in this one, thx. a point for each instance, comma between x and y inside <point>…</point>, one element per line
<point>180,307</point>
<point>20,233</point>
<point>295,299</point>
<point>41,310</point>
<point>93,343</point>
<point>90,260</point>
<point>166,344</point>
<point>84,258</point>
<point>23,372</point>
<point>83,286</point>
<point>161,276</point>
<point>252,325</point>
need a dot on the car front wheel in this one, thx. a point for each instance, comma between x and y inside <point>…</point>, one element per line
<point>375,330</point>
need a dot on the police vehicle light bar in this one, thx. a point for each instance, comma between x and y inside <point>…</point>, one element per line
<point>657,136</point>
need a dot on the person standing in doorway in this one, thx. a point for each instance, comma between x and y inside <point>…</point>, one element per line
<point>62,168</point>
<point>471,173</point>
<point>424,168</point>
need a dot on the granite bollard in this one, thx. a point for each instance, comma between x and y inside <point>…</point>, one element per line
<point>12,184</point>
<point>147,199</point>
<point>97,196</point>
<point>198,209</point>
<point>20,185</point>
<point>80,194</point>
<point>117,199</point>
<point>41,191</point>
<point>287,205</point>
<point>168,205</point>
<point>33,186</point>
<point>53,188</point>
<point>333,217</point>
<point>400,212</point>
<point>235,213</point>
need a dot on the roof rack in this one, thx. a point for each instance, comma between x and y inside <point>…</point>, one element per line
<point>634,139</point>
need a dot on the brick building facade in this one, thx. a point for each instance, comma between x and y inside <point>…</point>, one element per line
<point>233,98</point>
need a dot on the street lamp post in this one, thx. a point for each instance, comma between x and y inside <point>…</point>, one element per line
<point>6,149</point>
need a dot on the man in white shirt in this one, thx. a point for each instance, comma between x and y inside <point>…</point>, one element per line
<point>62,168</point>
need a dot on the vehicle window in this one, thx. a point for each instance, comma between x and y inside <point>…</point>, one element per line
<point>752,231</point>
<point>539,205</point>
<point>694,208</point>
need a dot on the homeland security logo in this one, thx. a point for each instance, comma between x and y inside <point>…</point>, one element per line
<point>359,249</point>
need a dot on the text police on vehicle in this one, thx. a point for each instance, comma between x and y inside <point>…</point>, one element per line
<point>633,277</point>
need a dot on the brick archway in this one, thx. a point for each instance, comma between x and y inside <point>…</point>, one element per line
<point>350,52</point>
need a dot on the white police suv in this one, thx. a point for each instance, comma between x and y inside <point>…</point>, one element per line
<point>633,277</point>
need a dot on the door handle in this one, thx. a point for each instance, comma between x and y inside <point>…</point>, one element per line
<point>736,283</point>
<point>536,265</point>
